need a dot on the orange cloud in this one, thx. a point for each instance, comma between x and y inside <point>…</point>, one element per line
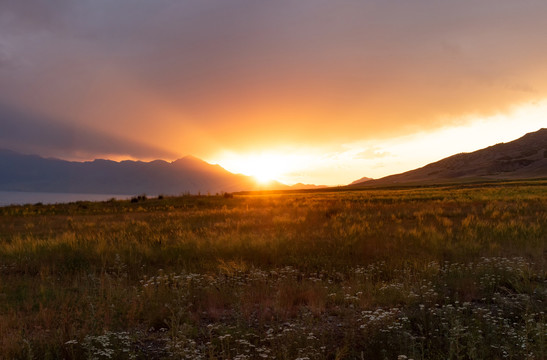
<point>197,77</point>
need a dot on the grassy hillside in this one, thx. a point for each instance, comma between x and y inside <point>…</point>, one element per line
<point>455,272</point>
<point>523,158</point>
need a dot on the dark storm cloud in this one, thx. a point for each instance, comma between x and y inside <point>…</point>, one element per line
<point>304,71</point>
<point>33,134</point>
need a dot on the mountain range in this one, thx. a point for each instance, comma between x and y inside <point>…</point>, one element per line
<point>187,175</point>
<point>524,158</point>
<point>519,159</point>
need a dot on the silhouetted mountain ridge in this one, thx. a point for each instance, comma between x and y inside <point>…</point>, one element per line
<point>186,175</point>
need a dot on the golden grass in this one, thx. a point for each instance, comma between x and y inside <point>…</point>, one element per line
<point>428,273</point>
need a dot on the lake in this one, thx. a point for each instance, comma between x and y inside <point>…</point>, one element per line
<point>20,198</point>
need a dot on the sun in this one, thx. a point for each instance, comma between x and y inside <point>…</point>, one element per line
<point>265,167</point>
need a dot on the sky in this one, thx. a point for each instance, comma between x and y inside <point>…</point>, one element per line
<point>320,91</point>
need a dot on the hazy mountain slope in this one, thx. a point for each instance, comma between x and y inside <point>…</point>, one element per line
<point>523,158</point>
<point>361,180</point>
<point>189,174</point>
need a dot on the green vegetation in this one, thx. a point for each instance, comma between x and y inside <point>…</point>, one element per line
<point>455,272</point>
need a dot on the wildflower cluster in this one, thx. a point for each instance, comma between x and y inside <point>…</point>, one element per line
<point>432,310</point>
<point>110,345</point>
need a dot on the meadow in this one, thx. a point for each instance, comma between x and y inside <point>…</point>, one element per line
<point>448,272</point>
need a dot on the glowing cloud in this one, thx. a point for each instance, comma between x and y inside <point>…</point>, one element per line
<point>378,158</point>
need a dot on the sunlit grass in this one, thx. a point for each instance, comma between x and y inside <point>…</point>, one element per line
<point>433,273</point>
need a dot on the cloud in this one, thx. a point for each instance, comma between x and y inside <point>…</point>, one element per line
<point>28,133</point>
<point>372,153</point>
<point>200,74</point>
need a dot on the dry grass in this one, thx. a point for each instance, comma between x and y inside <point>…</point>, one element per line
<point>433,273</point>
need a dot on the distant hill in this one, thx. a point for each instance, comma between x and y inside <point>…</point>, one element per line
<point>523,158</point>
<point>300,186</point>
<point>186,175</point>
<point>361,180</point>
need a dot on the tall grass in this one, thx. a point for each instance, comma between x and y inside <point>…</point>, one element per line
<point>422,273</point>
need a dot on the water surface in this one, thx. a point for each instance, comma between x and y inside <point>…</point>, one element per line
<point>20,198</point>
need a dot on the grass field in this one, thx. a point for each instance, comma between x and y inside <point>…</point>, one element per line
<point>454,272</point>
